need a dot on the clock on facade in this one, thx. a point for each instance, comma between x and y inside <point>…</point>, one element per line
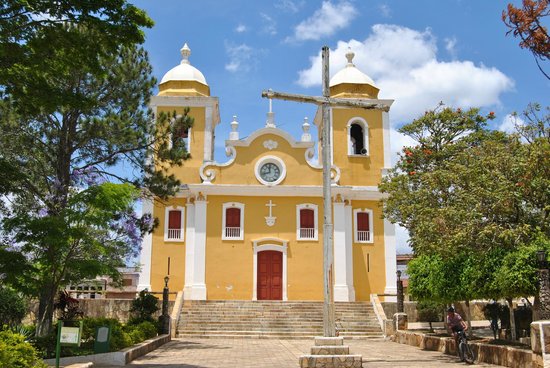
<point>270,170</point>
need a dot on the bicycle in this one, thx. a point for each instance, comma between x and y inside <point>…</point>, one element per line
<point>464,350</point>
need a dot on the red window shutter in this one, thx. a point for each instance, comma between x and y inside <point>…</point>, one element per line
<point>363,221</point>
<point>307,220</point>
<point>233,217</point>
<point>174,219</point>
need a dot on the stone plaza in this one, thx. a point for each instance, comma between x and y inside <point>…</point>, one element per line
<point>248,353</point>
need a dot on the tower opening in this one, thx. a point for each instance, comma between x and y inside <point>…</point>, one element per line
<point>357,139</point>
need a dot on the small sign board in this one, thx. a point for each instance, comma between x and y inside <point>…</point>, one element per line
<point>70,336</point>
<point>102,337</point>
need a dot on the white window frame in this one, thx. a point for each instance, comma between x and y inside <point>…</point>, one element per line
<point>309,206</point>
<point>363,123</point>
<point>182,225</point>
<point>371,228</point>
<point>240,206</point>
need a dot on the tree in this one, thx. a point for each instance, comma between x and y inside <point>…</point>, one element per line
<point>12,308</point>
<point>430,311</point>
<point>473,200</point>
<point>527,24</point>
<point>75,86</point>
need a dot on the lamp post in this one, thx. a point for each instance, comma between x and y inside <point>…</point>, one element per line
<point>544,285</point>
<point>165,318</point>
<point>400,296</point>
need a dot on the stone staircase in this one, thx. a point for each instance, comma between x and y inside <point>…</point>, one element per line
<point>274,319</point>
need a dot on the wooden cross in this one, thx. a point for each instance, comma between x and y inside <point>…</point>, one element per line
<point>329,326</point>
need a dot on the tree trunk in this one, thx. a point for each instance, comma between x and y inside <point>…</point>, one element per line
<point>45,311</point>
<point>536,308</point>
<point>468,317</point>
<point>512,319</point>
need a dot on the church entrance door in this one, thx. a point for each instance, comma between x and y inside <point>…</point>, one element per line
<point>270,275</point>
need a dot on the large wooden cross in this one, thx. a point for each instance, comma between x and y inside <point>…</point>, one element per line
<point>329,326</point>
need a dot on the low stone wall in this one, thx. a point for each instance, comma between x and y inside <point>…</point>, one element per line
<point>118,358</point>
<point>485,353</point>
<point>390,308</point>
<point>105,308</point>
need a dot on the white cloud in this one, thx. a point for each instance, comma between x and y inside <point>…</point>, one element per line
<point>241,57</point>
<point>241,28</point>
<point>324,22</point>
<point>270,26</point>
<point>510,122</point>
<point>385,10</point>
<point>450,46</point>
<point>403,63</point>
<point>289,6</point>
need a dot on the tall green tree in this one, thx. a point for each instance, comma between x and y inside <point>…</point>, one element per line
<point>74,87</point>
<point>473,198</point>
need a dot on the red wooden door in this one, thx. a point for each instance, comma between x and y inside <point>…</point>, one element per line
<point>270,275</point>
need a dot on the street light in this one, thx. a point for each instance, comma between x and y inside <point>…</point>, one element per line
<point>165,318</point>
<point>400,296</point>
<point>544,285</point>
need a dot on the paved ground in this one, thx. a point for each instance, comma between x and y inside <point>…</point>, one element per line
<point>248,353</point>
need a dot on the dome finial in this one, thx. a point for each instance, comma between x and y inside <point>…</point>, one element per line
<point>185,52</point>
<point>349,55</point>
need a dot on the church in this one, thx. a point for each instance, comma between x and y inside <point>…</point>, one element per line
<point>251,227</point>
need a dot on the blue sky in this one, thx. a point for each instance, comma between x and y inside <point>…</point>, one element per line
<point>418,53</point>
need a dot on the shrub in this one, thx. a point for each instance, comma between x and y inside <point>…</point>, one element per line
<point>16,353</point>
<point>143,307</point>
<point>119,338</point>
<point>142,331</point>
<point>67,306</point>
<point>12,307</point>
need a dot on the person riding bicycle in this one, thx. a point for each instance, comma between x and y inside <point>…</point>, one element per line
<point>455,323</point>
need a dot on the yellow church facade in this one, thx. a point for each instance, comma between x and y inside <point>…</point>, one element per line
<point>251,227</point>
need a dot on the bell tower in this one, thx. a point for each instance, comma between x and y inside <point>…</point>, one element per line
<point>184,86</point>
<point>360,137</point>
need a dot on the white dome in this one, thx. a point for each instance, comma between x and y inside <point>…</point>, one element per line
<point>185,71</point>
<point>350,74</point>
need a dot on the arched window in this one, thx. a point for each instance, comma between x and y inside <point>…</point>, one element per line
<point>179,136</point>
<point>358,138</point>
<point>233,221</point>
<point>307,224</point>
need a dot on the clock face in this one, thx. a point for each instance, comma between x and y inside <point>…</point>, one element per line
<point>270,172</point>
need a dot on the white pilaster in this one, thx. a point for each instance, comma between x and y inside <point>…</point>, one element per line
<point>386,141</point>
<point>208,136</point>
<point>343,289</point>
<point>189,251</point>
<point>198,288</point>
<point>349,251</point>
<point>391,262</point>
<point>146,249</point>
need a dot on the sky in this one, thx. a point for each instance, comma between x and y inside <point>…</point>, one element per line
<point>419,53</point>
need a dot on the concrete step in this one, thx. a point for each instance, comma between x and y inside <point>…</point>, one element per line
<point>274,319</point>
